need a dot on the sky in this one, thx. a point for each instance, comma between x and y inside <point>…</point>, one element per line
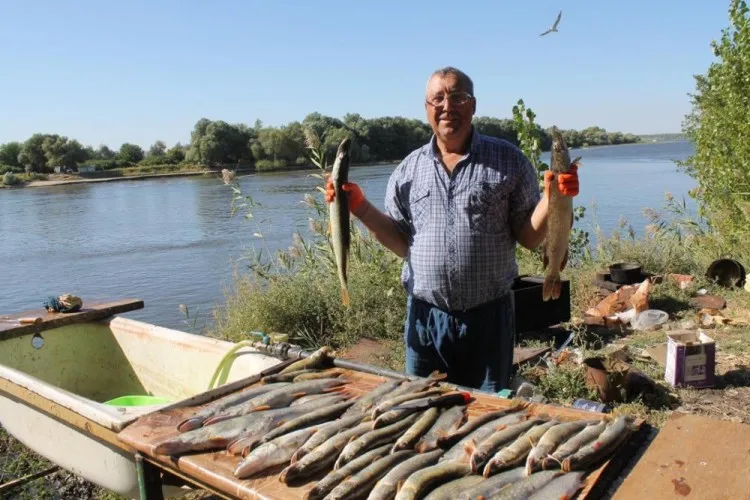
<point>141,71</point>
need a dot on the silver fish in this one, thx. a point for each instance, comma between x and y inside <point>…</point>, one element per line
<point>333,478</point>
<point>493,485</point>
<point>562,487</point>
<point>275,452</point>
<point>388,485</point>
<point>527,486</point>
<point>339,216</point>
<point>362,482</point>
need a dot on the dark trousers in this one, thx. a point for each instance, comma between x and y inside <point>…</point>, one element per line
<point>474,348</point>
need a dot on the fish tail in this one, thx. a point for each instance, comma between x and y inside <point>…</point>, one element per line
<point>552,285</point>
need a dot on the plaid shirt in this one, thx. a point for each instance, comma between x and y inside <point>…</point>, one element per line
<point>461,227</point>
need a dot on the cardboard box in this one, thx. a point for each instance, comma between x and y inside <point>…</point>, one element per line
<point>691,359</point>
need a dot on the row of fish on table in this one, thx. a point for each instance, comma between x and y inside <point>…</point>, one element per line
<point>405,439</point>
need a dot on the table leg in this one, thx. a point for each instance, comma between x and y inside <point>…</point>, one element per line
<point>149,479</point>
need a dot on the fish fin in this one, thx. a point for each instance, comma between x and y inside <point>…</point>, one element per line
<point>552,285</point>
<point>399,484</point>
<point>190,424</point>
<point>345,296</point>
<point>545,259</point>
<point>261,408</point>
<point>564,261</point>
<point>576,161</point>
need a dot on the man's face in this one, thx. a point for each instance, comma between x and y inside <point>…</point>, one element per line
<point>447,115</point>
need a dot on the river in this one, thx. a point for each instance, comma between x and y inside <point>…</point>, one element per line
<point>173,241</point>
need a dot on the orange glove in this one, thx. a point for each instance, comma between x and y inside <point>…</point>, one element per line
<point>356,196</point>
<point>567,184</point>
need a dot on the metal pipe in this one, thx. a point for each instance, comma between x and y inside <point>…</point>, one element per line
<point>383,372</point>
<point>16,483</point>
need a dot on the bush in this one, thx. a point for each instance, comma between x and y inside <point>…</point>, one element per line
<point>11,179</point>
<point>270,164</point>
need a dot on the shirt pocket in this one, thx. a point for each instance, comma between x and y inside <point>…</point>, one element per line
<point>488,207</point>
<point>419,203</point>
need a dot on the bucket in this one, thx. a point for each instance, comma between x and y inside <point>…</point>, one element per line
<point>138,400</point>
<point>728,273</point>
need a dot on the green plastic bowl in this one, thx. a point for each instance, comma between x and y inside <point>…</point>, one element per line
<point>136,401</point>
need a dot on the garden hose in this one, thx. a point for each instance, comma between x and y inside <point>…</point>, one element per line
<point>227,360</point>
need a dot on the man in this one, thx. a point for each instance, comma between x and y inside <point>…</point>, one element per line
<point>455,209</point>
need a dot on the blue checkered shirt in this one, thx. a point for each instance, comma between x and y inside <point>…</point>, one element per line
<point>461,227</point>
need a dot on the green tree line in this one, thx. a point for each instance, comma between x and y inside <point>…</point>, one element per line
<point>218,143</point>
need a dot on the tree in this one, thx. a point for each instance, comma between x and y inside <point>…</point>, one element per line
<point>719,125</point>
<point>32,155</point>
<point>131,153</point>
<point>9,154</point>
<point>157,149</point>
<point>61,152</point>
<point>176,154</point>
<point>104,153</point>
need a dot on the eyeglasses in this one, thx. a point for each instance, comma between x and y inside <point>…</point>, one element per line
<point>455,98</point>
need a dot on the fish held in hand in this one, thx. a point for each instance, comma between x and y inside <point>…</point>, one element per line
<point>338,211</point>
<point>559,219</point>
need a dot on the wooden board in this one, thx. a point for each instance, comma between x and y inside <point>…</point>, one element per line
<point>215,468</point>
<point>91,311</point>
<point>693,457</point>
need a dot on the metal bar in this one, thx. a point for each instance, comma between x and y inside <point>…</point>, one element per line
<point>149,480</point>
<point>17,483</point>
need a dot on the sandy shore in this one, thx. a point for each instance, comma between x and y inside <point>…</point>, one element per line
<point>81,180</point>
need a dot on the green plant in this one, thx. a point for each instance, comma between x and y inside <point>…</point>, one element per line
<point>11,179</point>
<point>719,125</point>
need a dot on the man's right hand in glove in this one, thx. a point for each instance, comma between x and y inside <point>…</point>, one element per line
<point>356,196</point>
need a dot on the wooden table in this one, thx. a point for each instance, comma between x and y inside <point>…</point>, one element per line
<point>213,470</point>
<point>693,457</point>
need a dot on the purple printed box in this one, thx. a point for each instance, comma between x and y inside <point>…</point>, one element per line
<point>691,359</point>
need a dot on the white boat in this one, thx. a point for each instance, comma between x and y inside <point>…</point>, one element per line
<point>55,378</point>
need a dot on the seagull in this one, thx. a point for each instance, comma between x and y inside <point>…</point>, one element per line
<point>554,26</point>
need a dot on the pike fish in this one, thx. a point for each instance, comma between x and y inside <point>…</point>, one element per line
<point>417,430</point>
<point>365,402</point>
<point>559,219</point>
<point>249,440</point>
<point>323,456</point>
<point>332,479</point>
<point>339,215</point>
<point>495,441</point>
<point>612,436</point>
<point>481,433</point>
<point>321,358</point>
<point>314,417</point>
<point>394,401</point>
<point>250,427</point>
<point>388,485</point>
<point>449,419</point>
<point>451,489</point>
<point>527,486</point>
<point>301,375</point>
<point>562,487</point>
<point>490,487</point>
<point>316,374</point>
<point>362,482</point>
<point>198,418</point>
<point>279,398</point>
<point>326,432</point>
<point>384,435</point>
<point>275,452</point>
<point>455,434</point>
<point>429,478</point>
<point>572,445</point>
<point>515,453</point>
<point>551,439</point>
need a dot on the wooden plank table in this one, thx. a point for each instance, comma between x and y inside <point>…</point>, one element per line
<point>693,457</point>
<point>213,470</point>
<point>11,327</point>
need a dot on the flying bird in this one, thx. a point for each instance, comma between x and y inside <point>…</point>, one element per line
<point>554,26</point>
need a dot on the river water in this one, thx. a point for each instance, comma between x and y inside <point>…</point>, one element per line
<point>173,241</point>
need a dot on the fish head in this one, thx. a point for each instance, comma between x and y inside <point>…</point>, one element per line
<point>559,154</point>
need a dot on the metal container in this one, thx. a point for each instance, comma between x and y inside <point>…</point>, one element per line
<point>625,273</point>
